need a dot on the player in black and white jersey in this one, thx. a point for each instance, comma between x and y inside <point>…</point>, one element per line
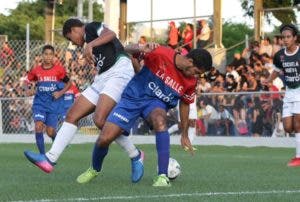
<point>287,60</point>
<point>105,52</point>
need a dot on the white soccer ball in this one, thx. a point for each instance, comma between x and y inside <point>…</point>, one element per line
<point>174,169</point>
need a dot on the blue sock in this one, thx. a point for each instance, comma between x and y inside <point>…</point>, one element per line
<point>39,138</point>
<point>99,154</point>
<point>163,151</point>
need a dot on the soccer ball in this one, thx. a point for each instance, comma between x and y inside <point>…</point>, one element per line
<point>174,169</point>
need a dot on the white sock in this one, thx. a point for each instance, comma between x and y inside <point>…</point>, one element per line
<point>173,128</point>
<point>62,140</point>
<point>127,145</point>
<point>297,135</point>
<point>192,133</point>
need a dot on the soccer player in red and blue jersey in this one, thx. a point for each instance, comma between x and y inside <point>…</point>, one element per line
<point>165,78</point>
<point>48,100</point>
<point>69,98</point>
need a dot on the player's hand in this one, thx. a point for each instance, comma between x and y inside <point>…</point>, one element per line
<point>149,47</point>
<point>56,95</point>
<point>88,55</point>
<point>186,144</point>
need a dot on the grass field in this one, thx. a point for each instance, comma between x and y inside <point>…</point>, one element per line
<point>215,173</point>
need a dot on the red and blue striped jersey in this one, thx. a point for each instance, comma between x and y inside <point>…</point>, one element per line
<point>160,78</point>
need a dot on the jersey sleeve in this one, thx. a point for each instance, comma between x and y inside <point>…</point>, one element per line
<point>93,30</point>
<point>62,73</point>
<point>277,64</point>
<point>189,96</point>
<point>31,76</point>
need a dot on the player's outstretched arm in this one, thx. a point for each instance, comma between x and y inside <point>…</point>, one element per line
<point>67,86</point>
<point>184,110</point>
<point>136,48</point>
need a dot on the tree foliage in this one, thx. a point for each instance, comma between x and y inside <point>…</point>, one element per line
<point>284,16</point>
<point>33,12</point>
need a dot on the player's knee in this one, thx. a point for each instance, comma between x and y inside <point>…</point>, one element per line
<point>159,124</point>
<point>39,128</point>
<point>98,122</point>
<point>71,119</point>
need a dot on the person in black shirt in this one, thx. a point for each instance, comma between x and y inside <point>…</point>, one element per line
<point>287,60</point>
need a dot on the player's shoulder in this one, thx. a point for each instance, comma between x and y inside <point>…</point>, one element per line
<point>279,53</point>
<point>93,25</point>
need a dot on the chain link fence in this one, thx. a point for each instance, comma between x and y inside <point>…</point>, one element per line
<point>248,114</point>
<point>16,95</point>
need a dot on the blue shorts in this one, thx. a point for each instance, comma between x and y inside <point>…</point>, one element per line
<point>126,112</point>
<point>49,119</point>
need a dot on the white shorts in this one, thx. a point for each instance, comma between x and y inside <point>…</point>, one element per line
<point>111,82</point>
<point>193,111</point>
<point>290,109</point>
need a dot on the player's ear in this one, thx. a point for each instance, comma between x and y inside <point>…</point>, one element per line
<point>191,61</point>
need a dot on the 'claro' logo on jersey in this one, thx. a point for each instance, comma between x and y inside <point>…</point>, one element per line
<point>50,88</point>
<point>159,93</point>
<point>99,61</point>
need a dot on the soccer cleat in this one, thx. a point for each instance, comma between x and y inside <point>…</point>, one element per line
<point>40,160</point>
<point>294,162</point>
<point>161,181</point>
<point>137,168</point>
<point>87,176</point>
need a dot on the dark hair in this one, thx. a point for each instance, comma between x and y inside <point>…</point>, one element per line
<point>290,27</point>
<point>48,47</point>
<point>69,24</point>
<point>265,55</point>
<point>201,58</point>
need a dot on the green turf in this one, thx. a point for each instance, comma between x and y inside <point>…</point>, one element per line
<point>228,173</point>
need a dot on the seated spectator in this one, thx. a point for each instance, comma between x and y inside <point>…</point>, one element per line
<point>252,82</point>
<point>234,73</point>
<point>238,60</point>
<point>212,75</point>
<point>230,84</point>
<point>210,116</point>
<point>225,124</point>
<point>277,44</point>
<point>268,64</point>
<point>248,51</point>
<point>203,86</point>
<point>203,36</point>
<point>266,46</point>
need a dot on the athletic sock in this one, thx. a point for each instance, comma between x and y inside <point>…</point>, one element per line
<point>173,129</point>
<point>163,151</point>
<point>192,133</point>
<point>99,154</point>
<point>39,138</point>
<point>127,146</point>
<point>297,135</point>
<point>62,139</point>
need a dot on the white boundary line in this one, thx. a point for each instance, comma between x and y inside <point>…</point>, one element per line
<point>287,142</point>
<point>195,194</point>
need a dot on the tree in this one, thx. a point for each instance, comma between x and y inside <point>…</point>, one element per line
<point>33,12</point>
<point>234,33</point>
<point>284,16</point>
